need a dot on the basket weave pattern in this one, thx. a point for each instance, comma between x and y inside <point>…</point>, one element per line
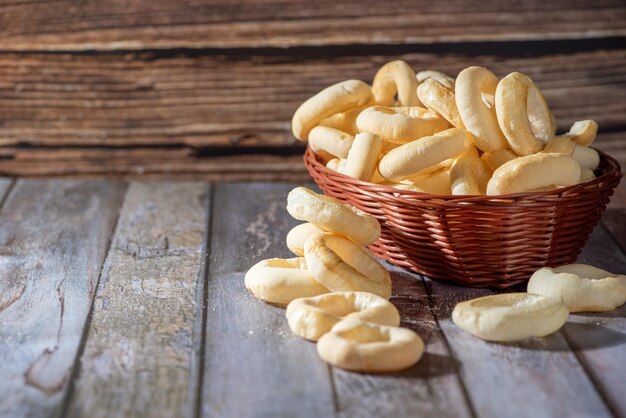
<point>476,241</point>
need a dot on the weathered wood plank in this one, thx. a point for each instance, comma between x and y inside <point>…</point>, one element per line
<point>72,25</point>
<point>430,389</point>
<point>614,220</point>
<point>189,116</point>
<point>236,167</point>
<point>5,185</point>
<point>141,351</point>
<point>53,240</point>
<point>536,377</point>
<point>254,366</point>
<point>600,339</point>
<point>243,102</point>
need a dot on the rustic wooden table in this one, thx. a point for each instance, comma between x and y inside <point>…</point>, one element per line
<point>124,298</point>
<point>127,299</point>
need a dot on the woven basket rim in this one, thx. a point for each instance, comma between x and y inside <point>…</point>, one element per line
<point>373,188</point>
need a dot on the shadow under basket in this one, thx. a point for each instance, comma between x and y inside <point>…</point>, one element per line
<point>476,241</point>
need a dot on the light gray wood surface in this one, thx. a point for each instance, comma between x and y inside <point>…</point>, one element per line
<point>53,239</point>
<point>174,332</point>
<point>599,339</point>
<point>253,365</point>
<point>430,388</point>
<point>141,348</point>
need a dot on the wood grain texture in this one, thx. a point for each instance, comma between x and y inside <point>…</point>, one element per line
<point>254,366</point>
<point>200,115</point>
<point>76,25</point>
<point>140,354</point>
<point>535,377</point>
<point>53,240</point>
<point>599,339</point>
<point>237,167</point>
<point>5,185</point>
<point>614,220</point>
<point>242,102</point>
<point>429,389</point>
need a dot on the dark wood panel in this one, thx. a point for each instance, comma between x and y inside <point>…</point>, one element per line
<point>185,111</point>
<point>53,240</point>
<point>80,25</point>
<point>140,356</point>
<point>122,100</point>
<point>253,364</point>
<point>238,167</point>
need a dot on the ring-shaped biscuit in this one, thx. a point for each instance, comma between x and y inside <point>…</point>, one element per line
<point>473,85</point>
<point>363,156</point>
<point>298,235</point>
<point>329,143</point>
<point>334,99</point>
<point>331,215</point>
<point>340,265</point>
<point>395,78</point>
<point>510,316</point>
<point>365,347</point>
<point>442,78</point>
<point>400,124</point>
<point>438,98</point>
<point>523,114</point>
<point>580,287</point>
<point>534,172</point>
<point>279,281</point>
<point>411,158</point>
<point>313,317</point>
<point>469,176</point>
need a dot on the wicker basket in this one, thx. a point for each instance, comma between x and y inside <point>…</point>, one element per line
<point>476,241</point>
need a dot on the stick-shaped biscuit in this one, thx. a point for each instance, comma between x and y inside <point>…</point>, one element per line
<point>533,172</point>
<point>363,156</point>
<point>413,157</point>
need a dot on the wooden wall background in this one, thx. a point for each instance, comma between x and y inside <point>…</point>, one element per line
<point>203,89</point>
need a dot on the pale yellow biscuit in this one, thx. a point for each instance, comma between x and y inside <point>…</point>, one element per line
<point>534,172</point>
<point>523,114</point>
<point>279,281</point>
<point>510,316</point>
<point>438,98</point>
<point>313,317</point>
<point>395,78</point>
<point>474,91</point>
<point>340,265</point>
<point>331,215</point>
<point>337,98</point>
<point>330,143</point>
<point>411,158</point>
<point>362,346</point>
<point>298,235</point>
<point>400,124</point>
<point>580,287</point>
<point>363,156</point>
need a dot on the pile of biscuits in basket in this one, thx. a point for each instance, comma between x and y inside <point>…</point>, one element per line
<point>429,133</point>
